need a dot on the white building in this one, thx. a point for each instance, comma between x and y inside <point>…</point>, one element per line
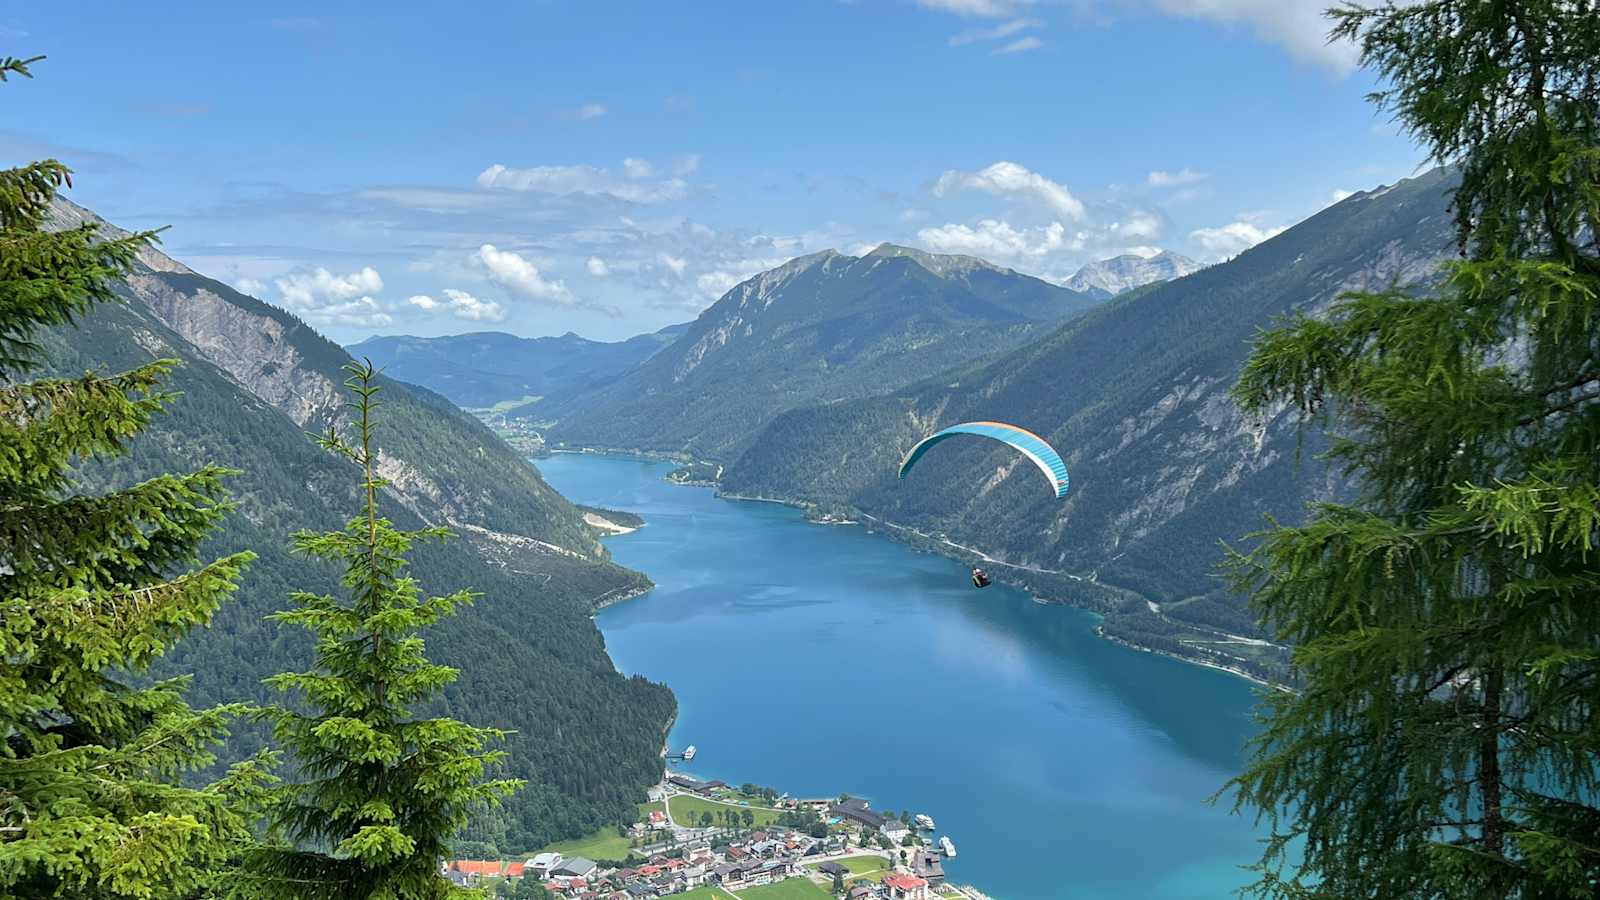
<point>540,866</point>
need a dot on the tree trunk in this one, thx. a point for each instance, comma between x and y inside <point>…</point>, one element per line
<point>1494,832</point>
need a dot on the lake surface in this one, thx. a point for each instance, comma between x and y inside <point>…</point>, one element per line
<point>826,659</point>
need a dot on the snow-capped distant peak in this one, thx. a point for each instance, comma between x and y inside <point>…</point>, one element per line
<point>1109,277</point>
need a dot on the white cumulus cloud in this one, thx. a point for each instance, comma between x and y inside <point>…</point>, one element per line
<point>637,168</point>
<point>998,239</point>
<point>597,267</point>
<point>319,288</point>
<point>1010,179</point>
<point>465,306</point>
<point>462,305</point>
<point>676,263</point>
<point>1234,237</point>
<point>511,270</point>
<point>589,111</point>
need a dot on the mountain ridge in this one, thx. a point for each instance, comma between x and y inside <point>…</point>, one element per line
<point>485,368</point>
<point>819,328</point>
<point>1134,394</point>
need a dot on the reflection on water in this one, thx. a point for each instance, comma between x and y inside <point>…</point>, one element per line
<point>826,659</point>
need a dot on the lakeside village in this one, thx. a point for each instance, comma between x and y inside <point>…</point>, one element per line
<point>705,840</point>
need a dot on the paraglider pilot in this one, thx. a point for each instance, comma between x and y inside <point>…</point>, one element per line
<point>980,578</point>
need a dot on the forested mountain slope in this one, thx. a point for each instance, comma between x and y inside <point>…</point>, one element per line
<point>818,329</point>
<point>1134,396</point>
<point>253,380</point>
<point>489,367</point>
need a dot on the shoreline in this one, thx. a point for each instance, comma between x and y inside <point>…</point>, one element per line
<point>625,595</point>
<point>891,527</point>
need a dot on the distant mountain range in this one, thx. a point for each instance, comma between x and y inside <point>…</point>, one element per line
<point>823,328</point>
<point>489,367</point>
<point>253,380</point>
<point>1110,277</point>
<point>1134,394</point>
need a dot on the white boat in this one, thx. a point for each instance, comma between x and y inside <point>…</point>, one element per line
<point>924,821</point>
<point>948,845</point>
<point>689,753</point>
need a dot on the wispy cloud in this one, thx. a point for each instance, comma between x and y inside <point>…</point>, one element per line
<point>1164,179</point>
<point>987,9</point>
<point>633,185</point>
<point>1020,45</point>
<point>998,32</point>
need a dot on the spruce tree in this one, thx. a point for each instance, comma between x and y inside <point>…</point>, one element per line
<point>93,588</point>
<point>382,791</point>
<point>1443,741</point>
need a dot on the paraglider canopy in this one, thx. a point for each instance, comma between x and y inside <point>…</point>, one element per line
<point>1024,441</point>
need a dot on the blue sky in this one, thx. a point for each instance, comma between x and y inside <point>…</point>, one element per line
<point>610,168</point>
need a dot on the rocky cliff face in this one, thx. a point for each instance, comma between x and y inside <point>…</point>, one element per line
<point>442,465</point>
<point>254,349</point>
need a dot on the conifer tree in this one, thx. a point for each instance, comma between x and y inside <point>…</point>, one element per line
<point>382,791</point>
<point>1445,738</point>
<point>92,590</point>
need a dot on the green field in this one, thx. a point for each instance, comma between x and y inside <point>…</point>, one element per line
<point>603,844</point>
<point>686,810</point>
<point>863,865</point>
<point>793,889</point>
<point>704,893</point>
<point>645,809</point>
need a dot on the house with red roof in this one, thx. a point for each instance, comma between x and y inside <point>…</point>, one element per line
<point>472,871</point>
<point>907,887</point>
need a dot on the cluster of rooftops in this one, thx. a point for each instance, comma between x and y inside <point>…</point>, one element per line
<point>763,858</point>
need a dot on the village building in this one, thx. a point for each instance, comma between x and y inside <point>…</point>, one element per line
<point>574,867</point>
<point>856,811</point>
<point>907,887</point>
<point>541,864</point>
<point>927,864</point>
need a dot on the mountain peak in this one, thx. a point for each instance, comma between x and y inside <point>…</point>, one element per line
<point>940,264</point>
<point>1109,277</point>
<point>64,214</point>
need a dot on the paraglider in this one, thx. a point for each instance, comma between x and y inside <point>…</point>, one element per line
<point>1021,439</point>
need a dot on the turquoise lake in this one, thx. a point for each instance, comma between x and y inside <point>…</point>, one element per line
<point>826,659</point>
